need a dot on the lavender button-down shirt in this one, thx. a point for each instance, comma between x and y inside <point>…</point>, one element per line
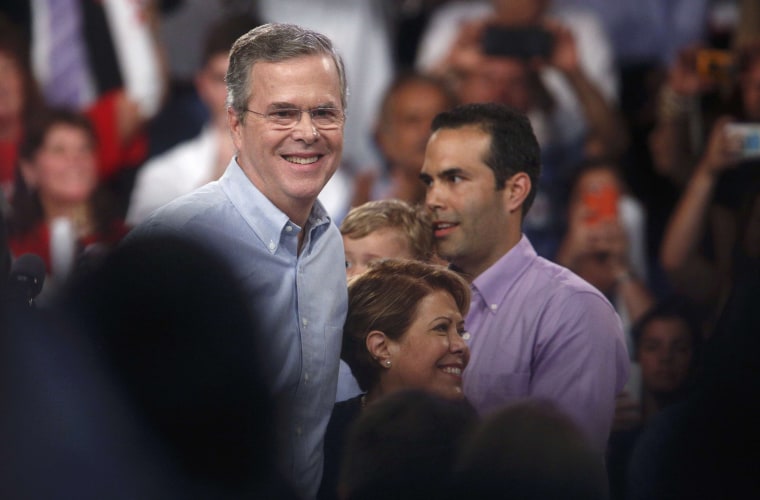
<point>539,331</point>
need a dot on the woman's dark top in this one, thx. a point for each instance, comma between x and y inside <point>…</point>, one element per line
<point>343,415</point>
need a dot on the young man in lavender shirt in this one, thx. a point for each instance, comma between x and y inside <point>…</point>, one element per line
<point>537,330</point>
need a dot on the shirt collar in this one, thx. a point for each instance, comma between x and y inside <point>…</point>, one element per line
<point>493,284</point>
<point>266,220</point>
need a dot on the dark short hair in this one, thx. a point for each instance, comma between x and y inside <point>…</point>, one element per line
<point>410,77</point>
<point>529,450</point>
<point>404,446</point>
<point>514,147</point>
<point>386,298</point>
<point>38,127</point>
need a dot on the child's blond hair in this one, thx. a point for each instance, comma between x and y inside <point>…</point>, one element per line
<point>413,222</point>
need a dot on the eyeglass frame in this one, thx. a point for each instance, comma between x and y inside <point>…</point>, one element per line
<point>267,116</point>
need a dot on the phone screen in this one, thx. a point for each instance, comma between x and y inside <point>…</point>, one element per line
<point>601,203</point>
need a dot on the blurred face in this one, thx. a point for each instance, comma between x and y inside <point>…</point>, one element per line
<point>431,355</point>
<point>11,88</point>
<point>469,214</point>
<point>405,129</point>
<point>751,92</point>
<point>63,170</point>
<point>497,79</point>
<point>665,354</point>
<point>211,86</point>
<point>385,243</point>
<point>290,166</point>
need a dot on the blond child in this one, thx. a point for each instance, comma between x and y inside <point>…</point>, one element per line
<point>385,229</point>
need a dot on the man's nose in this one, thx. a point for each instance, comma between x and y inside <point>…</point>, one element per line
<point>305,129</point>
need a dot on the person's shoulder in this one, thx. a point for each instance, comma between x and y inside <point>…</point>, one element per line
<point>203,203</point>
<point>561,281</point>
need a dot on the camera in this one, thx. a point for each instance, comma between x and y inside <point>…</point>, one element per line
<point>522,42</point>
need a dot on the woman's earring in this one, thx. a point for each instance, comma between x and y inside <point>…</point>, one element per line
<point>388,363</point>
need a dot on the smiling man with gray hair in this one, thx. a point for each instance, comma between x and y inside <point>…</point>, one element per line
<point>286,103</point>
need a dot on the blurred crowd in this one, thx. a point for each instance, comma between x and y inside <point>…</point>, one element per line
<point>647,115</point>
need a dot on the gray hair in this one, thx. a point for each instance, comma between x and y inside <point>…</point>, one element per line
<point>274,42</point>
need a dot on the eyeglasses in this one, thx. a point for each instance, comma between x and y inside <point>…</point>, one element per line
<point>285,118</point>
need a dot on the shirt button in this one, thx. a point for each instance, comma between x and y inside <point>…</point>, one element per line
<point>494,307</point>
<point>288,228</point>
<point>466,336</point>
<point>306,377</point>
<point>305,321</point>
<point>271,245</point>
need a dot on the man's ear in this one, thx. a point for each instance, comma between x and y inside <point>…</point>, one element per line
<point>378,346</point>
<point>516,190</point>
<point>236,128</point>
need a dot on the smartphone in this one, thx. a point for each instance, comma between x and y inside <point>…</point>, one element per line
<point>745,138</point>
<point>601,203</point>
<point>522,42</point>
<point>716,65</point>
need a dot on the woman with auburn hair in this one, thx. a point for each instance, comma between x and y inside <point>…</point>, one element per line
<point>404,330</point>
<point>59,210</point>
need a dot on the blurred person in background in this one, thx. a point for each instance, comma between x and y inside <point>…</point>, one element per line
<point>704,232</point>
<point>401,132</point>
<point>575,71</point>
<point>404,447</point>
<point>19,100</point>
<point>202,159</point>
<point>103,59</point>
<point>558,72</point>
<point>59,210</point>
<point>605,241</point>
<point>667,345</point>
<point>138,383</point>
<point>529,450</point>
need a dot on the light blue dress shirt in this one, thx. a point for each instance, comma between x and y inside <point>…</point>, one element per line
<point>299,302</point>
